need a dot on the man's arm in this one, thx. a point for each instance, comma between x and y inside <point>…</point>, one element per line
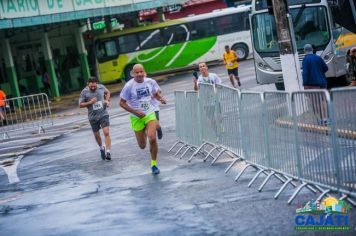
<point>195,84</point>
<point>88,103</point>
<point>305,72</point>
<point>325,67</point>
<point>123,104</point>
<point>156,92</point>
<point>195,80</point>
<point>107,97</point>
<point>236,56</point>
<point>159,97</point>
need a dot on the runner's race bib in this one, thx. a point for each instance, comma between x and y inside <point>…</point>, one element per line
<point>145,105</point>
<point>98,105</point>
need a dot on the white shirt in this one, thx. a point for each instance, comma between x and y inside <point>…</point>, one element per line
<point>211,79</point>
<point>139,95</point>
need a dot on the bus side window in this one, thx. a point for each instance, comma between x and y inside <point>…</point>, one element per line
<point>202,29</point>
<point>128,43</point>
<point>106,49</point>
<point>230,23</point>
<point>175,34</point>
<point>150,39</point>
<point>247,21</point>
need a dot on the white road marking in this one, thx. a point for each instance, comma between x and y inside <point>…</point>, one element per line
<point>11,170</point>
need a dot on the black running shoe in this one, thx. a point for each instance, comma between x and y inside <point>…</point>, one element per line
<point>159,133</point>
<point>108,156</point>
<point>102,153</point>
<point>238,82</point>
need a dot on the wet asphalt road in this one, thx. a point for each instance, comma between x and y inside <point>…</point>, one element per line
<point>66,189</point>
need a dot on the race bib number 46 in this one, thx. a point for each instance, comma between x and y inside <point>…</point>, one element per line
<point>98,105</point>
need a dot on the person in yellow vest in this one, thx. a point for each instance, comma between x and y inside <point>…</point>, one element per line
<point>230,61</point>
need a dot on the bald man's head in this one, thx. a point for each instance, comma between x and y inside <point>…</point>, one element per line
<point>139,72</point>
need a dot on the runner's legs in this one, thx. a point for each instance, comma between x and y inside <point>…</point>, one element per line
<point>107,137</point>
<point>98,138</point>
<point>151,129</point>
<point>141,138</point>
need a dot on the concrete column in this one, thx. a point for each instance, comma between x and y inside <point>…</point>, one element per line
<point>10,68</point>
<point>289,55</point>
<point>50,66</point>
<point>160,14</point>
<point>83,55</point>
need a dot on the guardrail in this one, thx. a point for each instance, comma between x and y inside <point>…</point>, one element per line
<point>307,136</point>
<point>27,112</point>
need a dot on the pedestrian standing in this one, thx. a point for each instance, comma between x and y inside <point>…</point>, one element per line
<point>230,60</point>
<point>2,104</point>
<point>205,76</point>
<point>314,69</point>
<point>96,98</point>
<point>137,97</point>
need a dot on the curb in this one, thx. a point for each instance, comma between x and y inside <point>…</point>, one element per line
<point>342,133</point>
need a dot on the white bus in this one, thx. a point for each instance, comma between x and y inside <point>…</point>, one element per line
<point>313,23</point>
<point>173,45</point>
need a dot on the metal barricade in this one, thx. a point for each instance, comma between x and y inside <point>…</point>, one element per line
<point>207,109</point>
<point>281,140</point>
<point>344,118</point>
<point>27,112</point>
<point>192,115</point>
<point>229,118</point>
<point>253,128</point>
<point>314,142</point>
<point>304,136</point>
<point>179,99</point>
<point>187,121</point>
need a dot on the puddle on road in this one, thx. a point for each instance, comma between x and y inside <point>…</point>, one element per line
<point>185,207</point>
<point>11,198</point>
<point>206,205</point>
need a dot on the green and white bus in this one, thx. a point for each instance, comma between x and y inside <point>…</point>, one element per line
<point>313,23</point>
<point>173,45</point>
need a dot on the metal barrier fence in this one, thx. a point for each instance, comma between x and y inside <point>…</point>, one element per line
<point>344,116</point>
<point>27,112</point>
<point>187,117</point>
<point>307,136</point>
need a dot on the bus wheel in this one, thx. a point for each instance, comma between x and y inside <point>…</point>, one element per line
<point>128,72</point>
<point>241,50</point>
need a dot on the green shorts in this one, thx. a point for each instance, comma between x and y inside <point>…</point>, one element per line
<point>138,124</point>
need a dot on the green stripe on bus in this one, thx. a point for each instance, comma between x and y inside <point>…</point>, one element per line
<point>168,59</point>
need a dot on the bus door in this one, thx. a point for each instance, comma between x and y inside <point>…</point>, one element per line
<point>340,53</point>
<point>107,54</point>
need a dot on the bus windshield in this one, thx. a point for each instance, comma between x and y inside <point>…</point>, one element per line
<point>311,27</point>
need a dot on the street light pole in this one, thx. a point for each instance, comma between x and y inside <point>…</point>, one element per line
<point>287,47</point>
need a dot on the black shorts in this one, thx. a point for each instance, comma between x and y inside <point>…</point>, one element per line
<point>157,115</point>
<point>97,124</point>
<point>2,108</point>
<point>234,71</point>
